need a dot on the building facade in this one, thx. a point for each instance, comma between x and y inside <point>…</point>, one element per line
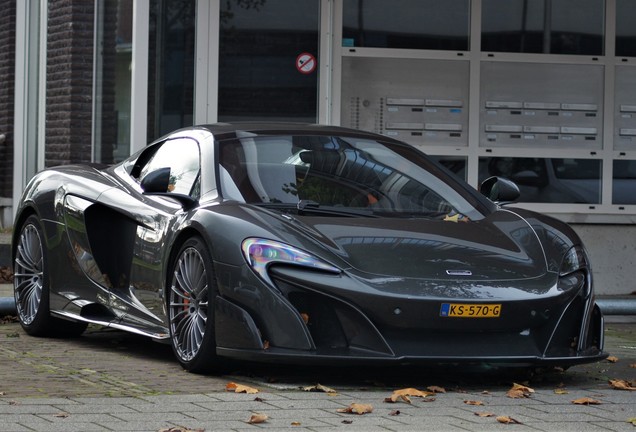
<point>540,91</point>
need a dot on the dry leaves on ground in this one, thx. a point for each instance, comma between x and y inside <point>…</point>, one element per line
<point>404,394</point>
<point>240,388</point>
<point>473,402</point>
<point>180,429</point>
<point>6,275</point>
<point>620,384</point>
<point>258,418</point>
<point>519,391</point>
<point>612,359</point>
<point>320,388</point>
<point>507,420</point>
<point>436,389</point>
<point>356,408</point>
<point>485,414</point>
<point>586,401</point>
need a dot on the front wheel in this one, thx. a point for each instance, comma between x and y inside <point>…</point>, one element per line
<point>191,307</point>
<point>31,286</point>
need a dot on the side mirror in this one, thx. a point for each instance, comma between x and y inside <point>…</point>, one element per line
<point>157,182</point>
<point>499,189</point>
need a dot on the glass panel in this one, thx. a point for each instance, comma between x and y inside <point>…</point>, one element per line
<point>113,81</point>
<point>455,164</point>
<point>268,58</point>
<point>624,184</point>
<point>543,26</point>
<point>341,173</point>
<point>171,66</point>
<point>625,29</point>
<point>548,180</point>
<point>415,24</point>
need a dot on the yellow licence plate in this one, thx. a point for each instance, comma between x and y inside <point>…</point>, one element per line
<point>466,310</point>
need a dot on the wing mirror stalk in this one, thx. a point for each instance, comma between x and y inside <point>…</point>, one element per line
<point>156,183</point>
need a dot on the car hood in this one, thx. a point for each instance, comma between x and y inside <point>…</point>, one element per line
<point>501,246</point>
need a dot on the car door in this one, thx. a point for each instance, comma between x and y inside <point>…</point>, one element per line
<point>141,298</point>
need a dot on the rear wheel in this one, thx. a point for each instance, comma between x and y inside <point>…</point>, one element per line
<point>31,286</point>
<point>191,307</point>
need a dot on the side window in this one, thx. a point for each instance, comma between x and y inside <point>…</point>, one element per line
<point>182,157</point>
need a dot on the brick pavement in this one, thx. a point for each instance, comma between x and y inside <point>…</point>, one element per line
<point>110,380</point>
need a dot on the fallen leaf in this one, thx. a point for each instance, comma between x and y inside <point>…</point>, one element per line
<point>560,391</point>
<point>62,415</point>
<point>319,388</point>
<point>258,418</point>
<point>394,413</point>
<point>356,408</point>
<point>14,403</point>
<point>266,345</point>
<point>632,421</point>
<point>180,429</point>
<point>240,388</point>
<point>474,402</point>
<point>2,393</point>
<point>633,365</point>
<point>619,384</point>
<point>295,423</point>
<point>258,399</point>
<point>586,401</point>
<point>612,359</point>
<point>405,393</point>
<point>347,421</point>
<point>519,391</point>
<point>484,414</point>
<point>305,317</point>
<point>507,420</point>
<point>436,389</point>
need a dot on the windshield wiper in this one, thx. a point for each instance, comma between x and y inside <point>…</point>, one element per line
<point>313,207</point>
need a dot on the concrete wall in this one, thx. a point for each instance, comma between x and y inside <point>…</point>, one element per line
<point>612,251</point>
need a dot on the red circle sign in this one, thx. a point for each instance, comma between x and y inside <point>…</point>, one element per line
<point>306,63</point>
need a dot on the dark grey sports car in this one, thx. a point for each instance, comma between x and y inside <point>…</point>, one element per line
<point>299,243</point>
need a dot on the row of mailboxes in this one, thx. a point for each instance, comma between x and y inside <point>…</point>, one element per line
<point>524,105</point>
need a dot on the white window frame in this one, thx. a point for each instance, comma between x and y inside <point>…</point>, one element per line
<point>28,156</point>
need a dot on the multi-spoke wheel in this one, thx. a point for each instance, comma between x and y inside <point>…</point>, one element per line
<point>191,307</point>
<point>31,287</point>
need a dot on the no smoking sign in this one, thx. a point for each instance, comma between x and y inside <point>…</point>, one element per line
<point>306,63</point>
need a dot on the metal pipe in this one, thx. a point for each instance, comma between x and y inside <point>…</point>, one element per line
<point>7,306</point>
<point>618,306</point>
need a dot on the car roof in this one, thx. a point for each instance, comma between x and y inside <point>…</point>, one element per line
<point>223,131</point>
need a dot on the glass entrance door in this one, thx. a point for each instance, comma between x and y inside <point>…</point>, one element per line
<point>268,56</point>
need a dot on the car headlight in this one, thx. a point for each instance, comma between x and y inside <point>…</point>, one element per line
<point>574,271</point>
<point>261,253</point>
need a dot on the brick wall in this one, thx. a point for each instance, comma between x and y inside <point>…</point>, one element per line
<point>69,81</point>
<point>7,88</point>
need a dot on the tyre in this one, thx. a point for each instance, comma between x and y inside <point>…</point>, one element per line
<point>31,286</point>
<point>191,295</point>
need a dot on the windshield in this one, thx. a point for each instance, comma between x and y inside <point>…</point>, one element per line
<point>340,172</point>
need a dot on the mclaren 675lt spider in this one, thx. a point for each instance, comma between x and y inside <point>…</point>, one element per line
<point>306,244</point>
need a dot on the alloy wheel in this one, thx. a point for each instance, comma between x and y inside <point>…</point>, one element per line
<point>28,274</point>
<point>188,304</point>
